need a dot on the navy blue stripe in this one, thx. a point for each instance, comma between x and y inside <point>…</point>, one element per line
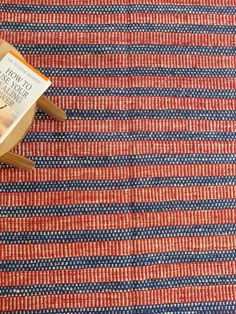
<point>115,184</point>
<point>96,72</point>
<point>180,28</point>
<point>134,136</point>
<point>109,161</point>
<point>137,91</point>
<point>64,210</point>
<point>147,114</point>
<point>118,261</point>
<point>125,49</point>
<point>113,235</point>
<point>109,9</point>
<point>227,307</point>
<point>117,286</point>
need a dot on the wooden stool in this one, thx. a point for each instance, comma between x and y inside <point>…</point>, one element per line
<point>20,130</point>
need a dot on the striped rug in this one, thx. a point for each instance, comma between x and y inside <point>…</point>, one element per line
<point>132,206</point>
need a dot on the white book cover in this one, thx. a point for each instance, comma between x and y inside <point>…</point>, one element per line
<point>20,86</point>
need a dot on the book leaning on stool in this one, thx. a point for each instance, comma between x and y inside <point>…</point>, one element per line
<point>21,91</point>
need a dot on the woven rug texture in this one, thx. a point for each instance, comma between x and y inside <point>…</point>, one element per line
<point>131,208</point>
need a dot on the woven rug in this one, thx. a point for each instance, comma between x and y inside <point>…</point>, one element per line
<point>131,207</point>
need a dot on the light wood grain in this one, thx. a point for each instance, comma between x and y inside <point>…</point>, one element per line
<point>17,161</point>
<point>47,106</point>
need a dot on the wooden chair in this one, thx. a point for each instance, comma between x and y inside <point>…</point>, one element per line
<point>20,130</point>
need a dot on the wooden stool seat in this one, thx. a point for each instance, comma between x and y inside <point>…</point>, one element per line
<point>20,130</point>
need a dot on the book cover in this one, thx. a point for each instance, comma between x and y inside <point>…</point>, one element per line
<point>20,86</point>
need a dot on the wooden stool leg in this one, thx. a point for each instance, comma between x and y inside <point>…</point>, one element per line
<point>17,161</point>
<point>51,109</point>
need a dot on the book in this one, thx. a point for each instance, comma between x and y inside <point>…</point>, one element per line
<point>20,87</point>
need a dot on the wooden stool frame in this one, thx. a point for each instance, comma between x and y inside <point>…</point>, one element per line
<point>20,130</point>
